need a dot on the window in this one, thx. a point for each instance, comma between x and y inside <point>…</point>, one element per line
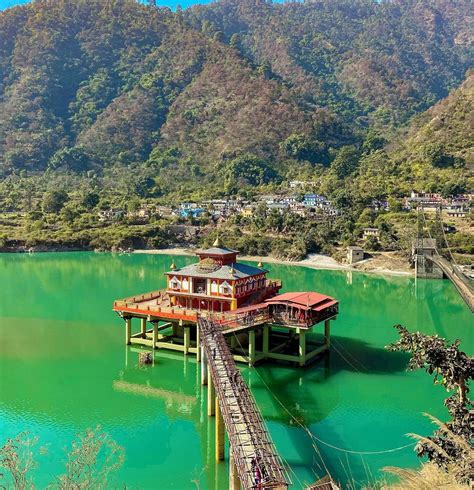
<point>214,288</point>
<point>185,284</point>
<point>225,288</point>
<point>175,283</point>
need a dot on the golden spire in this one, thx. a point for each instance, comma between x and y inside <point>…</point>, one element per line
<point>173,266</point>
<point>232,270</point>
<point>260,264</point>
<point>217,242</point>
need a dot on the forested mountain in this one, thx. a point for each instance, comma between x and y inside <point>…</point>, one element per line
<point>388,59</point>
<point>241,93</point>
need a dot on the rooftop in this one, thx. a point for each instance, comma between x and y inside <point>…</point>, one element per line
<point>306,300</point>
<point>217,251</point>
<point>227,272</point>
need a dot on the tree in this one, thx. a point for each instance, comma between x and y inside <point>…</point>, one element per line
<point>454,370</point>
<point>235,41</point>
<point>142,186</point>
<point>435,155</point>
<point>69,213</point>
<point>453,188</point>
<point>53,201</point>
<point>76,159</point>
<point>346,161</point>
<point>249,169</point>
<point>93,457</point>
<point>90,200</point>
<point>372,243</point>
<point>265,70</point>
<point>301,147</point>
<point>218,36</point>
<point>373,142</point>
<point>17,457</point>
<point>394,205</point>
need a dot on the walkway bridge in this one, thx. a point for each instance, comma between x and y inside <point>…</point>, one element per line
<point>461,283</point>
<point>430,263</point>
<point>254,460</point>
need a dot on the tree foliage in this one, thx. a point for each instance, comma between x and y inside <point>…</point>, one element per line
<point>93,457</point>
<point>454,370</point>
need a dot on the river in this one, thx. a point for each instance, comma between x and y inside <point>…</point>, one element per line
<point>64,368</point>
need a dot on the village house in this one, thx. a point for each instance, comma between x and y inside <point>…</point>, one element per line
<point>301,184</point>
<point>456,212</point>
<point>281,208</point>
<point>367,232</point>
<point>109,215</point>
<point>312,200</point>
<point>247,211</point>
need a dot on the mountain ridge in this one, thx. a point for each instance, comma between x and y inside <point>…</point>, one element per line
<point>272,89</point>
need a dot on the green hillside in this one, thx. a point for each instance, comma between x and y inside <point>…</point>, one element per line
<point>132,103</point>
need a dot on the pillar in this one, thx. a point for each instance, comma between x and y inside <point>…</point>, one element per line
<point>234,482</point>
<point>220,432</point>
<point>203,366</point>
<point>128,330</point>
<point>198,344</point>
<point>211,394</point>
<point>302,347</point>
<point>266,339</point>
<point>327,333</point>
<point>251,347</point>
<point>187,339</point>
<point>143,327</point>
<point>155,334</point>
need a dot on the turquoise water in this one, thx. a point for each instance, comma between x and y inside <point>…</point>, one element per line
<point>64,368</point>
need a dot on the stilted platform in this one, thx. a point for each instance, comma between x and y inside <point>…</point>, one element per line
<point>276,329</point>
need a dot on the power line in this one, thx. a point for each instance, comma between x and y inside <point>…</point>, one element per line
<point>313,437</point>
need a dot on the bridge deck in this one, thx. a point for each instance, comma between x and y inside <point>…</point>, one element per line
<point>451,273</point>
<point>258,464</point>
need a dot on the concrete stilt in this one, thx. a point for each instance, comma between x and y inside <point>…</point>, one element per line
<point>211,395</point>
<point>128,330</point>
<point>187,339</point>
<point>143,327</point>
<point>266,340</point>
<point>203,366</point>
<point>251,347</point>
<point>155,334</point>
<point>327,333</point>
<point>198,344</point>
<point>234,482</point>
<point>302,347</point>
<point>220,432</point>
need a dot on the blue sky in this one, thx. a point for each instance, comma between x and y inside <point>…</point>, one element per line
<point>166,3</point>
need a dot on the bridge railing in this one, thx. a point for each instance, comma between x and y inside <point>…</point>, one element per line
<point>258,464</point>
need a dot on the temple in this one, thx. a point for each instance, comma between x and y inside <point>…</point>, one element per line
<point>218,283</point>
<point>257,321</point>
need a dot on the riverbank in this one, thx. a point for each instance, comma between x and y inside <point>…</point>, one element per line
<point>388,263</point>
